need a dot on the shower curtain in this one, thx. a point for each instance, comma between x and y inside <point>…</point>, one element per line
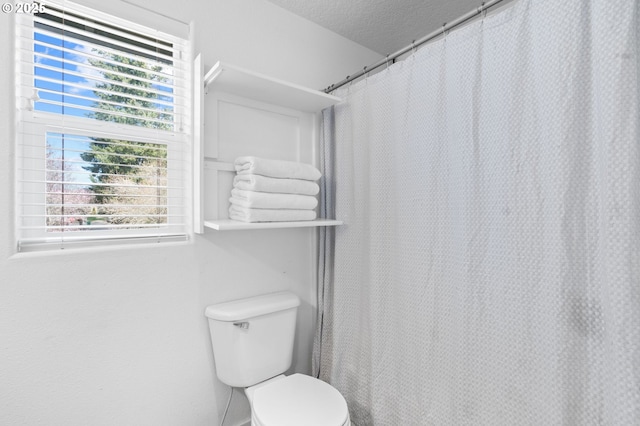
<point>488,272</point>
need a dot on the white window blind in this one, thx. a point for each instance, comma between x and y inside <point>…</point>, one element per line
<point>103,139</point>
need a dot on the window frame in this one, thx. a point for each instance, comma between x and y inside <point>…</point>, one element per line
<point>33,124</point>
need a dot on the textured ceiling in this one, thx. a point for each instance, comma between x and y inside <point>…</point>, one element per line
<point>382,26</point>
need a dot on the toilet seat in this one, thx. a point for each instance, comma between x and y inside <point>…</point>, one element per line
<point>298,400</point>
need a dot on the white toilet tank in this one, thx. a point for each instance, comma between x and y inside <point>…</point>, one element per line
<point>252,338</point>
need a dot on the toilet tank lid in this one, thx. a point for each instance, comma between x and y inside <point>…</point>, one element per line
<point>242,309</point>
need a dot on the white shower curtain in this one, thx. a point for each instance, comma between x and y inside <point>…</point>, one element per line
<point>488,272</point>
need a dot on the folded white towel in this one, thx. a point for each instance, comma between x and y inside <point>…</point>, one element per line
<point>250,182</point>
<point>266,200</point>
<point>276,168</point>
<point>244,214</point>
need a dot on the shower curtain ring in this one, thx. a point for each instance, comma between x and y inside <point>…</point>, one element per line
<point>388,60</point>
<point>413,47</point>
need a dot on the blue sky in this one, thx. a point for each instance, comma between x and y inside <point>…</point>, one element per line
<point>39,71</point>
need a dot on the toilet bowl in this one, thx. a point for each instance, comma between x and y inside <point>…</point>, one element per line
<point>296,400</point>
<point>252,341</point>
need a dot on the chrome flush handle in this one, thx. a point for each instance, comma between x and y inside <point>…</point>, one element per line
<point>244,325</point>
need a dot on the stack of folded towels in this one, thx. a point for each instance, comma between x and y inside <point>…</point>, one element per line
<point>273,190</point>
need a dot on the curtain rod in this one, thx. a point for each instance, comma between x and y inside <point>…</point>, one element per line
<point>392,57</point>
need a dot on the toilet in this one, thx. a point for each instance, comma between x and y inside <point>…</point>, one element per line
<point>252,342</point>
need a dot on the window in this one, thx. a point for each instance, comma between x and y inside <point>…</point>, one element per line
<point>104,130</point>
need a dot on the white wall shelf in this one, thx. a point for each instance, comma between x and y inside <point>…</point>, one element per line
<point>283,118</point>
<point>234,225</point>
<point>248,84</point>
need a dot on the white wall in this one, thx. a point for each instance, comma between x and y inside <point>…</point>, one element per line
<point>118,337</point>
